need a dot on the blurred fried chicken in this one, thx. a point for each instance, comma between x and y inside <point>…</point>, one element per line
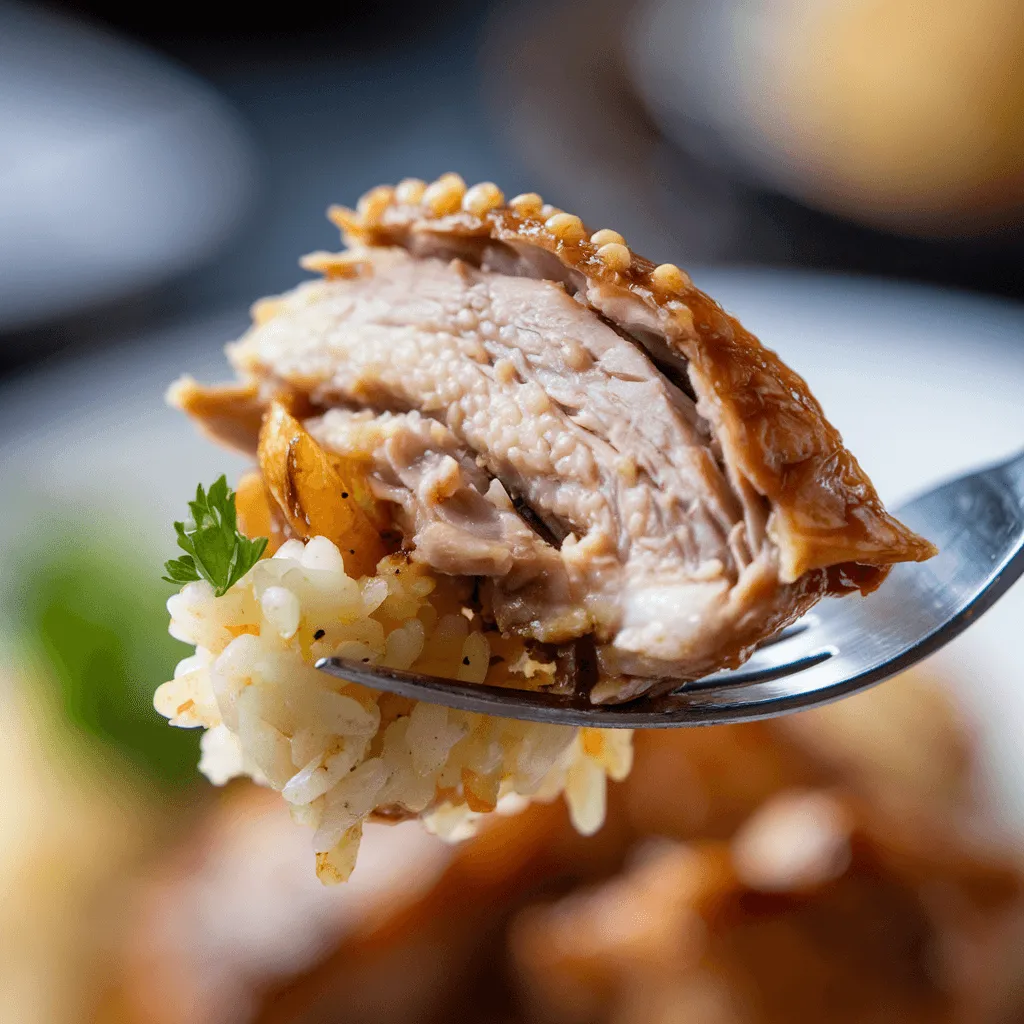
<point>811,869</point>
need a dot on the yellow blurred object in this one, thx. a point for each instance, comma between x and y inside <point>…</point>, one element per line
<point>906,114</point>
<point>234,909</point>
<point>67,834</point>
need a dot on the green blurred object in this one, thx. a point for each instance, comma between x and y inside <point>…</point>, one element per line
<point>93,618</point>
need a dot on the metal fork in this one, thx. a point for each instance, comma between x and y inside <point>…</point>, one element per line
<point>977,522</point>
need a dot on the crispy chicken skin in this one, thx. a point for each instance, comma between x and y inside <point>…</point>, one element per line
<point>587,433</point>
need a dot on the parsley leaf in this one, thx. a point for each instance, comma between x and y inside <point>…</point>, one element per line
<point>215,550</point>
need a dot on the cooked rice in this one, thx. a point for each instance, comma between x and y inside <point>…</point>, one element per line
<point>339,752</point>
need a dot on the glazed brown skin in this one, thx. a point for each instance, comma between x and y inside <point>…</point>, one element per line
<point>826,528</point>
<point>826,512</point>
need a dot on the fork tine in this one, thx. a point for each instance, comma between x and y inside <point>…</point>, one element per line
<point>792,650</point>
<point>704,706</point>
<point>783,658</point>
<point>529,705</point>
<point>978,522</point>
<point>790,632</point>
<point>780,655</point>
<point>759,672</point>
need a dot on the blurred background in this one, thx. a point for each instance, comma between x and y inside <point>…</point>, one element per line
<point>845,175</point>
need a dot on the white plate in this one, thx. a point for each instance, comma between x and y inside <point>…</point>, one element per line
<point>922,383</point>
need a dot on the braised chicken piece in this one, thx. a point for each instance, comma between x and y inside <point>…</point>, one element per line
<point>586,433</point>
<point>851,833</point>
<point>806,916</point>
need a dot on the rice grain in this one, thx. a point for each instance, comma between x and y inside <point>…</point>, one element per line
<point>340,753</point>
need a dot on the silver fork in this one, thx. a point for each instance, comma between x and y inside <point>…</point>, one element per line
<point>843,646</point>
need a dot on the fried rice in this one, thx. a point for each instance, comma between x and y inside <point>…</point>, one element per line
<point>340,753</point>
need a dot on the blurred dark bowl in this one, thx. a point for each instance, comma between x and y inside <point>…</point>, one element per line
<point>373,24</point>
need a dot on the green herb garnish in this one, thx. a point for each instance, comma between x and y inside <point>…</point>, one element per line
<point>215,550</point>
